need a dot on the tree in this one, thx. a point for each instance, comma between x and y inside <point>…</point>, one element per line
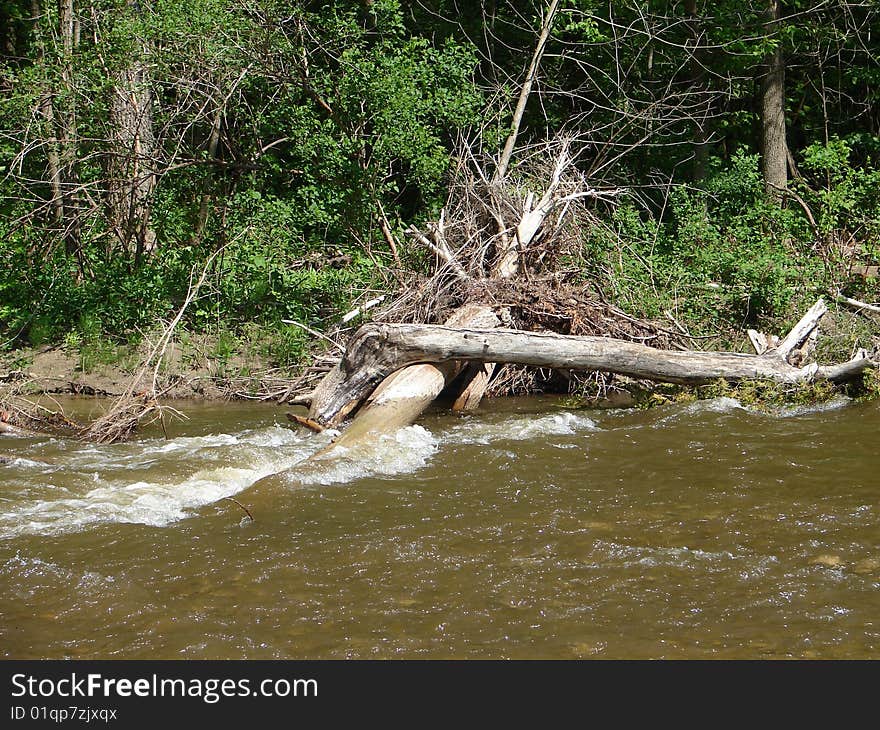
<point>774,149</point>
<point>131,154</point>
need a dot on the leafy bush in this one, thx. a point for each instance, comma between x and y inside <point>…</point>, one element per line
<point>723,255</point>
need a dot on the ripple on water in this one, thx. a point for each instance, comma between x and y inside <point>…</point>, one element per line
<point>480,431</point>
<point>101,488</point>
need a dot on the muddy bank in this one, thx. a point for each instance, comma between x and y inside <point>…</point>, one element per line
<point>55,370</point>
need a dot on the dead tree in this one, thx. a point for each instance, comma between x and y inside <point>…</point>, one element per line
<point>377,350</point>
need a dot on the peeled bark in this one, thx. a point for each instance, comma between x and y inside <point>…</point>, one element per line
<point>377,350</point>
<point>476,381</point>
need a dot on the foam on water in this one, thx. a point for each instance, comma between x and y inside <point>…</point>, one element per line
<point>225,464</point>
<point>158,482</point>
<point>111,495</point>
<point>722,404</point>
<point>728,405</point>
<point>31,464</point>
<point>229,464</point>
<point>839,401</point>
<point>402,452</point>
<point>478,431</point>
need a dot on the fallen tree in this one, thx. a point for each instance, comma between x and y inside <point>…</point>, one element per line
<point>489,231</point>
<point>378,350</point>
<point>499,247</point>
<point>403,396</point>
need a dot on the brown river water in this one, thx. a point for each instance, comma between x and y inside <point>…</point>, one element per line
<point>528,530</point>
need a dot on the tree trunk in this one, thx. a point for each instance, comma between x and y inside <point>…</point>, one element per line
<point>133,147</point>
<point>132,154</point>
<point>56,107</point>
<point>773,144</point>
<point>207,197</point>
<point>377,350</point>
<point>403,396</point>
<point>475,382</point>
<point>53,158</point>
<point>66,126</point>
<point>701,86</point>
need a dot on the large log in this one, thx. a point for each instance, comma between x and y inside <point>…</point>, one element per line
<point>403,396</point>
<point>377,350</point>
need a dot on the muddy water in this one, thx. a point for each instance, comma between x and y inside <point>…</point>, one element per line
<point>529,530</point>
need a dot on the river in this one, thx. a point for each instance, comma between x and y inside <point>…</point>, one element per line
<point>528,530</point>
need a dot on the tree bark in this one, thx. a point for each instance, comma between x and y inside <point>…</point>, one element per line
<point>377,350</point>
<point>403,396</point>
<point>774,162</point>
<point>133,147</point>
<point>701,86</point>
<point>56,107</point>
<point>66,125</point>
<point>476,381</point>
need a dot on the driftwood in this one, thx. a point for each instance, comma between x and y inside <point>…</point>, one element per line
<point>403,396</point>
<point>309,424</point>
<point>856,304</point>
<point>377,350</point>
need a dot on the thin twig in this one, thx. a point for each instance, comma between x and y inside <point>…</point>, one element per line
<point>246,510</point>
<point>314,332</point>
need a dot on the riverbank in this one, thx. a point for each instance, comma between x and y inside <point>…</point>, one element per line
<point>228,367</point>
<point>201,368</point>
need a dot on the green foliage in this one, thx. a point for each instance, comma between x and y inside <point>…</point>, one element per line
<point>327,116</point>
<point>767,395</point>
<point>844,195</point>
<point>762,395</point>
<point>725,254</point>
<point>284,346</point>
<point>285,130</point>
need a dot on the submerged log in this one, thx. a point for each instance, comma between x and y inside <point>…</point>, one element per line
<point>377,350</point>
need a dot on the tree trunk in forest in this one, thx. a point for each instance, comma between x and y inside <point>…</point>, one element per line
<point>207,198</point>
<point>45,111</point>
<point>58,107</point>
<point>774,148</point>
<point>377,350</point>
<point>701,86</point>
<point>53,158</point>
<point>133,147</point>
